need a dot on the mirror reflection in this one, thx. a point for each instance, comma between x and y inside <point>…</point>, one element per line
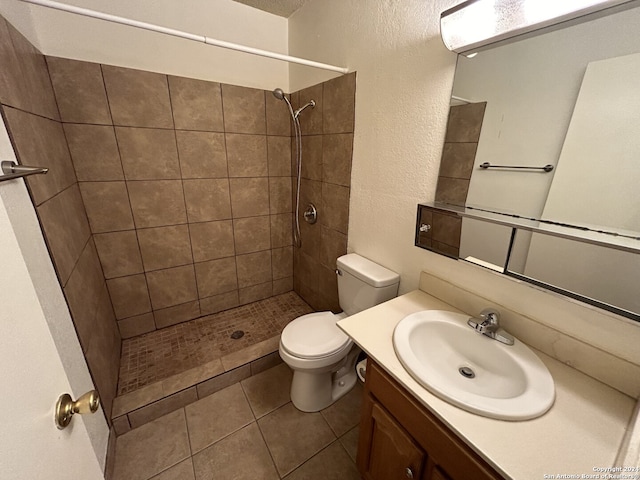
<point>570,99</point>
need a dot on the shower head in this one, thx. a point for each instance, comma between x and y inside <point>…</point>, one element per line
<point>278,93</point>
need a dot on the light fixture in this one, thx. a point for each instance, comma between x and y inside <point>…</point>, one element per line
<point>474,25</point>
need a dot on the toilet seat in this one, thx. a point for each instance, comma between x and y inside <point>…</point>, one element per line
<point>314,336</point>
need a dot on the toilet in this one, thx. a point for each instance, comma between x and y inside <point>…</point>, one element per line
<point>321,355</point>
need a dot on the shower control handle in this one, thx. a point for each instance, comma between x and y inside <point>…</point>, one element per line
<point>310,214</point>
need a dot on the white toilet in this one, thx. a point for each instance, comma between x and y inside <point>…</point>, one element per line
<point>321,355</point>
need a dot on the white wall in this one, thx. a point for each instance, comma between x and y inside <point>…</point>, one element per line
<point>530,88</point>
<point>404,77</point>
<point>71,36</point>
<point>596,183</point>
<point>48,319</point>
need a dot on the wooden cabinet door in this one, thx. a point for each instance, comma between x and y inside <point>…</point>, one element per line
<point>393,454</point>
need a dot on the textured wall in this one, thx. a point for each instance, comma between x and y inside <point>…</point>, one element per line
<point>31,115</point>
<point>66,35</point>
<point>402,102</point>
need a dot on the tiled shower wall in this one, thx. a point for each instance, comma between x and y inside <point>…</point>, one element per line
<point>187,187</point>
<point>327,145</point>
<point>31,115</point>
<point>458,157</point>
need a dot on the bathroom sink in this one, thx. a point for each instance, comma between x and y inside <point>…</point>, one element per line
<point>470,370</point>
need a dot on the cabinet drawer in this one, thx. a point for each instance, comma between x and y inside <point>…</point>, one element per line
<point>443,447</point>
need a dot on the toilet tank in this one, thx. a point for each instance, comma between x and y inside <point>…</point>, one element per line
<point>363,284</point>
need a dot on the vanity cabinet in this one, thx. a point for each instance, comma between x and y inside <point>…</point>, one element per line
<point>400,438</point>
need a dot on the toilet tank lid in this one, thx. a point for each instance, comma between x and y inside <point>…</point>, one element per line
<point>367,271</point>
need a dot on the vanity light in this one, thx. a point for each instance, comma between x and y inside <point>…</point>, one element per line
<point>474,24</point>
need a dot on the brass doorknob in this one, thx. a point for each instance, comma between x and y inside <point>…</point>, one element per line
<point>66,407</point>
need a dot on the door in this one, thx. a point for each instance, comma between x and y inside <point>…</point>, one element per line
<point>393,454</point>
<point>32,372</point>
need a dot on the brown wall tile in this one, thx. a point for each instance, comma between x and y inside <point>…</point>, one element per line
<point>249,196</point>
<point>107,205</point>
<point>279,156</point>
<point>312,157</point>
<point>197,104</point>
<point>328,289</point>
<point>255,293</point>
<point>207,199</point>
<point>212,240</point>
<point>281,230</point>
<point>244,110</point>
<point>103,354</point>
<point>247,155</point>
<point>310,238</point>
<point>41,142</point>
<point>148,153</point>
<point>177,314</point>
<point>333,244</point>
<point>252,234</point>
<point>218,303</point>
<point>13,90</point>
<point>282,285</point>
<point>165,247</point>
<point>66,229</point>
<point>119,253</point>
<point>335,205</point>
<point>83,291</point>
<point>216,277</point>
<point>162,407</point>
<point>134,326</point>
<point>465,122</point>
<point>129,296</point>
<point>282,262</point>
<point>172,286</point>
<point>254,268</point>
<point>337,151</point>
<point>157,202</point>
<point>279,195</point>
<point>452,190</point>
<point>278,116</point>
<point>457,160</point>
<point>35,77</point>
<point>310,192</point>
<point>79,90</point>
<point>202,154</point>
<point>447,229</point>
<point>307,269</point>
<point>138,98</point>
<point>94,152</point>
<point>338,108</point>
<point>311,124</point>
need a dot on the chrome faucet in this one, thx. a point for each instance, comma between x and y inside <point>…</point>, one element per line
<point>489,324</point>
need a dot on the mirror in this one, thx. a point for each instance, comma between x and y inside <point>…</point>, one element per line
<point>569,99</point>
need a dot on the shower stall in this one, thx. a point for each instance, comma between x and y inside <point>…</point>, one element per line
<point>168,213</point>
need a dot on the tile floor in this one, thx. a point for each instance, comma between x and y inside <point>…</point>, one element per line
<point>249,430</point>
<point>157,355</point>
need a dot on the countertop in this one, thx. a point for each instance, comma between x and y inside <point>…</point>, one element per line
<point>583,430</point>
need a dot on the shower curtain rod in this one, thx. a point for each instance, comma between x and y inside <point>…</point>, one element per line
<point>189,36</point>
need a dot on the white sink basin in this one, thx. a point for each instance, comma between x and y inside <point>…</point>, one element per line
<point>441,352</point>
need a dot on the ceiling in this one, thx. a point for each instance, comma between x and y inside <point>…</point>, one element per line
<point>282,8</point>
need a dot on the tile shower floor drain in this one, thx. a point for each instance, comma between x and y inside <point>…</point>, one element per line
<point>237,334</point>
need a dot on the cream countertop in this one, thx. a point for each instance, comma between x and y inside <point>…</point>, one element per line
<point>583,430</point>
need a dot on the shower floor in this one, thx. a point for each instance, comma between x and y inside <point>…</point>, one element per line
<point>158,355</point>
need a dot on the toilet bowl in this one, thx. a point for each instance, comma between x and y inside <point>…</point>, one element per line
<point>321,355</point>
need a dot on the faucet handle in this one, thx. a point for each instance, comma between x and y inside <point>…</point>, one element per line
<point>490,316</point>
